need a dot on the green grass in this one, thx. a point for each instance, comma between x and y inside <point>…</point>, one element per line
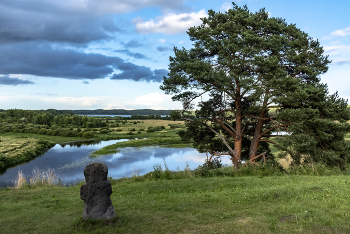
<point>54,139</point>
<point>276,204</point>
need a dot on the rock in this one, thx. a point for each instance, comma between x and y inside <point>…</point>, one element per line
<point>96,193</point>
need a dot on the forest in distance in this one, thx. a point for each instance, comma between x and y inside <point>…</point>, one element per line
<point>106,112</point>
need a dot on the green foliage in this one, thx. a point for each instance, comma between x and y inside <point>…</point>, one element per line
<point>243,65</point>
<point>104,131</point>
<point>155,129</point>
<point>40,147</point>
<point>173,126</point>
<point>88,135</point>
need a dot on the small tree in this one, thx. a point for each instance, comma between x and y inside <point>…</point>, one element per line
<point>258,76</point>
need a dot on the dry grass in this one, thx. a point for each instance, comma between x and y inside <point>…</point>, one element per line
<point>40,177</point>
<point>20,181</point>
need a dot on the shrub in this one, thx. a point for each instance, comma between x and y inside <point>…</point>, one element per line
<point>67,133</point>
<point>42,131</point>
<point>56,132</point>
<point>88,135</point>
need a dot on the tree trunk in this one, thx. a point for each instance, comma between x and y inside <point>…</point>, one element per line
<point>253,151</point>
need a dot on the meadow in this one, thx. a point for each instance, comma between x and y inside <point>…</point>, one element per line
<point>190,204</point>
<point>260,199</point>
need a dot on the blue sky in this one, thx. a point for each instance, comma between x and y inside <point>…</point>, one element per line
<point>113,54</point>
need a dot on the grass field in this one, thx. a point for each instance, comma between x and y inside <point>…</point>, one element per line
<point>275,204</point>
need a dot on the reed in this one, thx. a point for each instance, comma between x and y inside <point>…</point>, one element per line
<point>39,177</point>
<point>20,181</point>
<point>43,177</point>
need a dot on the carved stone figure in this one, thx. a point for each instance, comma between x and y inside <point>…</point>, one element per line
<point>96,193</point>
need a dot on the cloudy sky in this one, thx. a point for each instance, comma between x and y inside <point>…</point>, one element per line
<point>113,54</point>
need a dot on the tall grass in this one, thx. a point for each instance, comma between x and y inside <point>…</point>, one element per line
<point>40,178</point>
<point>20,181</point>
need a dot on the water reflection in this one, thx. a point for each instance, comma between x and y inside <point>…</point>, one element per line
<point>69,161</point>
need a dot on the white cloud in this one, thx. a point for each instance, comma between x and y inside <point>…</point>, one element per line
<point>341,32</point>
<point>156,100</point>
<point>337,49</point>
<point>161,40</point>
<point>226,6</point>
<point>341,61</point>
<point>170,23</point>
<point>151,99</point>
<point>181,42</point>
<point>338,53</point>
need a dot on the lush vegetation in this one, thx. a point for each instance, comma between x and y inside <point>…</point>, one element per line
<point>242,65</point>
<point>26,134</point>
<point>16,150</point>
<point>183,202</point>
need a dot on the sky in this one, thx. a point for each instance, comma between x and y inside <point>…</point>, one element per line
<point>113,54</point>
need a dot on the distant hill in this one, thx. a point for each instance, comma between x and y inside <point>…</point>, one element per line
<point>122,112</point>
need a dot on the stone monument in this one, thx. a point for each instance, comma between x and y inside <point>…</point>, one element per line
<point>96,193</point>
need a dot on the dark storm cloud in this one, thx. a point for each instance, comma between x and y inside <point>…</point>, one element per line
<point>141,73</point>
<point>163,48</point>
<point>43,60</point>
<point>32,26</point>
<point>6,80</point>
<point>131,54</point>
<point>72,21</point>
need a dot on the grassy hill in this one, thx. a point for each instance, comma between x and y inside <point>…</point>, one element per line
<point>273,204</point>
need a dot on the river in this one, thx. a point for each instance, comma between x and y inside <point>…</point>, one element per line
<point>69,161</point>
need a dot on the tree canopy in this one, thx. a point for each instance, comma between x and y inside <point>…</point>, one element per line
<point>256,80</point>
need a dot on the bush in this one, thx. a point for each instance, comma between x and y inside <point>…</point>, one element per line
<point>204,170</point>
<point>56,132</point>
<point>88,135</point>
<point>42,131</point>
<point>67,133</point>
<point>154,129</point>
<point>104,131</point>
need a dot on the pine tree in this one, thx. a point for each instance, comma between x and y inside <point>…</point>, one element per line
<point>254,76</point>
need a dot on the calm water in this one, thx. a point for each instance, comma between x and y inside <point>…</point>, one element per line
<point>69,161</point>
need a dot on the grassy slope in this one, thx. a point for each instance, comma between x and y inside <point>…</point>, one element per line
<point>278,204</point>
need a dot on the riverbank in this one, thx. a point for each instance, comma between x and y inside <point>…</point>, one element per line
<point>249,204</point>
<point>157,132</point>
<point>16,150</point>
